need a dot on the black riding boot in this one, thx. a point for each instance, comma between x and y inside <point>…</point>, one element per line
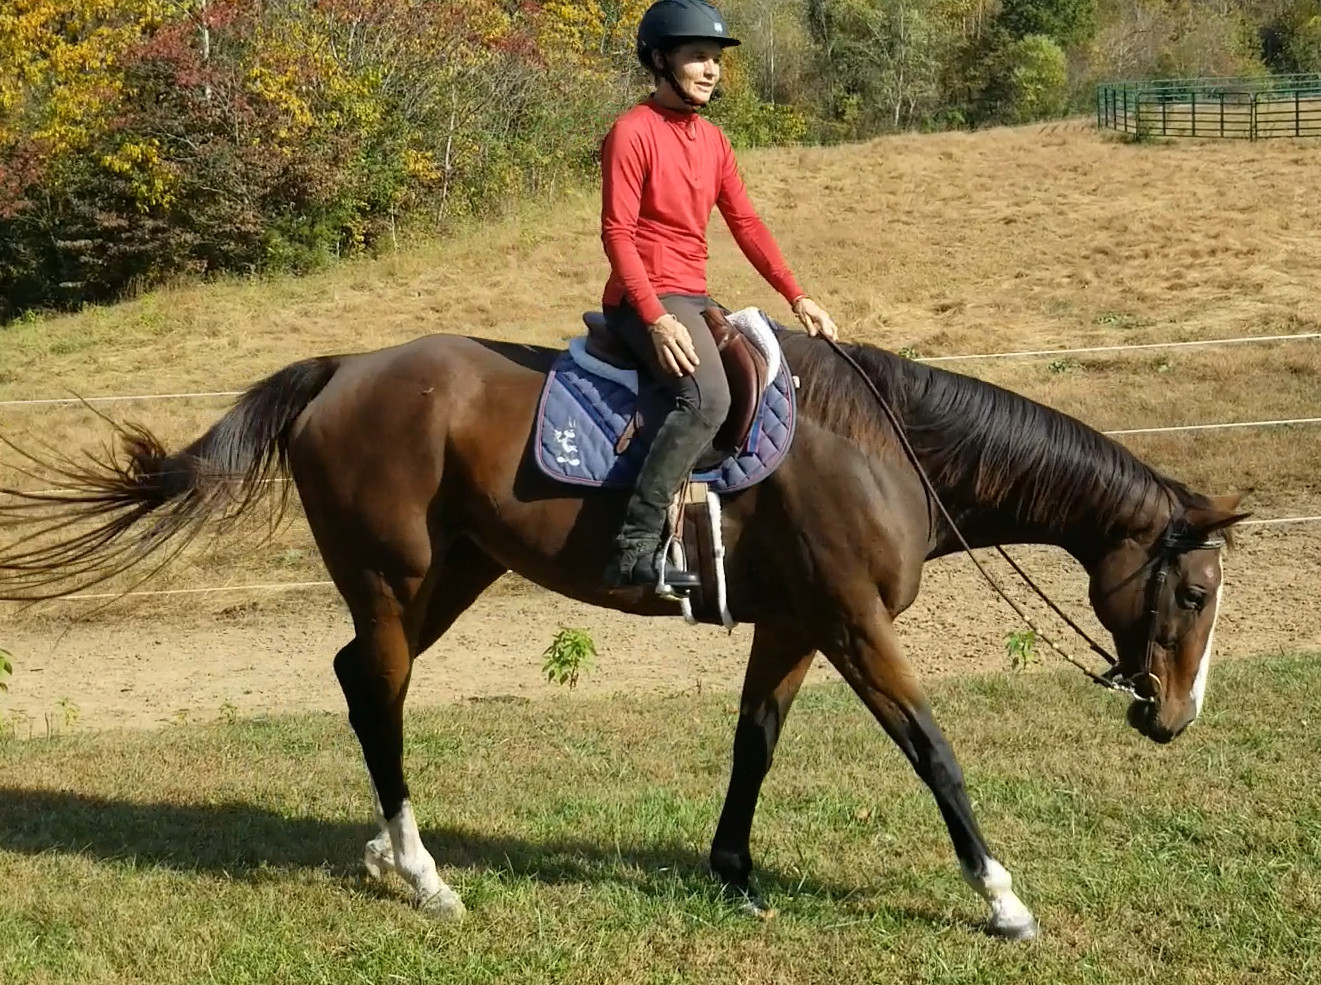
<point>670,459</point>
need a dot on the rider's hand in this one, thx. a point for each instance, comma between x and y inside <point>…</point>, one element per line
<point>674,346</point>
<point>814,318</point>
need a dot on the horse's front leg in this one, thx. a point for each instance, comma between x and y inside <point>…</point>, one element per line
<point>868,656</point>
<point>779,661</point>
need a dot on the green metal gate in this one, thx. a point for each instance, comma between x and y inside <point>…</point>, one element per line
<point>1242,108</point>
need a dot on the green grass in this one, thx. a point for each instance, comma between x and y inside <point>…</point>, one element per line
<point>576,831</point>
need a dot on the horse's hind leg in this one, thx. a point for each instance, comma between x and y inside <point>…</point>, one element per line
<point>466,573</point>
<point>374,671</point>
<point>868,656</point>
<point>779,661</point>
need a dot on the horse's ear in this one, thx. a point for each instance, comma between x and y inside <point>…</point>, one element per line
<point>1219,513</point>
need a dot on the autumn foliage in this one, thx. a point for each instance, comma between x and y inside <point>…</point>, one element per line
<point>140,139</point>
<point>145,139</point>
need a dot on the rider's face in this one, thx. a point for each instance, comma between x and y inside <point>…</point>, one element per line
<point>696,67</point>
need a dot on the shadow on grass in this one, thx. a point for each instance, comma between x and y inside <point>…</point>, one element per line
<point>242,840</point>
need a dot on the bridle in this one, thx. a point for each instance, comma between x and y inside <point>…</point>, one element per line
<point>1173,544</point>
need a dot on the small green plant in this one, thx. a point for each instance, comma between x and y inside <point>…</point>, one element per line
<point>6,669</point>
<point>1021,646</point>
<point>15,724</point>
<point>909,352</point>
<point>70,712</point>
<point>229,713</point>
<point>1162,364</point>
<point>1064,365</point>
<point>571,653</point>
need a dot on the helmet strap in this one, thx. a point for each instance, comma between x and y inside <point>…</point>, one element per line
<point>667,73</point>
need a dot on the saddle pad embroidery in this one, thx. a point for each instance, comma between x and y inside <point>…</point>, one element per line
<point>582,416</point>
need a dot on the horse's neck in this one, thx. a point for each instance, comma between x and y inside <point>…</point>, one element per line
<point>1009,470</point>
<point>1025,506</point>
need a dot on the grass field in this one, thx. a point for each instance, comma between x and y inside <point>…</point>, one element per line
<point>577,832</point>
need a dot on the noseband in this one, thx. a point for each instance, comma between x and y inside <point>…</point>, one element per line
<point>1173,545</point>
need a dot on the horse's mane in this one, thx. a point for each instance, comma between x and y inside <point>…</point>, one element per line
<point>1005,449</point>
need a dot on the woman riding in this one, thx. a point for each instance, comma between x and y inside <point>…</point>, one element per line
<point>663,169</point>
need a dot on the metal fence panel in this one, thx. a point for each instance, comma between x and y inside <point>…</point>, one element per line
<point>1237,108</point>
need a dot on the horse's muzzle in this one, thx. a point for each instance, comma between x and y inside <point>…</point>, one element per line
<point>1145,717</point>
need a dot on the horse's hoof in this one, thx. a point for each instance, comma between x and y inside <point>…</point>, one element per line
<point>749,904</point>
<point>444,905</point>
<point>378,862</point>
<point>1015,930</point>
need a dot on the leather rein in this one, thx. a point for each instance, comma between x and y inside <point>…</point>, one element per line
<point>1173,545</point>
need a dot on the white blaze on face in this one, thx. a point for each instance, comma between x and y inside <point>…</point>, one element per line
<point>1199,682</point>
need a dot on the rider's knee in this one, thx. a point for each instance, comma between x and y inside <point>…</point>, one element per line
<point>713,401</point>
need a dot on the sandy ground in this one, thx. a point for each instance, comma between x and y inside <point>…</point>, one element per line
<point>266,656</point>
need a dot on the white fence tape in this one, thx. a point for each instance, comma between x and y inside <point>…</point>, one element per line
<point>1023,354</point>
<point>289,585</point>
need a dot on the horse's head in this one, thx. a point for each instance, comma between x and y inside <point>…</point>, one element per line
<point>1160,600</point>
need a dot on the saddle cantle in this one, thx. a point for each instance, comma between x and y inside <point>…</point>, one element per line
<point>746,368</point>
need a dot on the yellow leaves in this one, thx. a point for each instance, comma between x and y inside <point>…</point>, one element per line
<point>280,88</point>
<point>420,165</point>
<point>58,64</point>
<point>587,32</point>
<point>489,22</point>
<point>150,179</point>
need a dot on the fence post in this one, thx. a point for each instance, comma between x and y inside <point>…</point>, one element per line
<point>1298,112</point>
<point>1193,94</point>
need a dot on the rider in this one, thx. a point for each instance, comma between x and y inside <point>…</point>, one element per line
<point>663,168</point>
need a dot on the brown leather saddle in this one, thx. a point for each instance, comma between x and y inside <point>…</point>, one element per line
<point>746,370</point>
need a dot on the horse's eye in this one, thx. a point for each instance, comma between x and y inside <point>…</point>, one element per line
<point>1192,598</point>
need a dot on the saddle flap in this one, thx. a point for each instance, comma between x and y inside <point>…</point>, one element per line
<point>748,374</point>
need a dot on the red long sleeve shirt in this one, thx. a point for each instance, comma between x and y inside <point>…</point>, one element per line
<point>662,171</point>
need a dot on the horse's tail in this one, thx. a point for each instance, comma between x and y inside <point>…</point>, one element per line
<point>153,499</point>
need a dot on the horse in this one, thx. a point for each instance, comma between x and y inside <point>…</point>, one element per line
<point>413,467</point>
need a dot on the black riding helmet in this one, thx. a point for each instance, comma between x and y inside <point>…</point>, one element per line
<point>669,23</point>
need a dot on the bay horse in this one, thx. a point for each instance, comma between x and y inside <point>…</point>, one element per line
<point>413,466</point>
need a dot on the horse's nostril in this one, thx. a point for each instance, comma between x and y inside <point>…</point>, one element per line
<point>1138,715</point>
<point>1159,733</point>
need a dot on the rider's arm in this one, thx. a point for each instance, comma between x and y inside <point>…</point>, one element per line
<point>751,234</point>
<point>623,171</point>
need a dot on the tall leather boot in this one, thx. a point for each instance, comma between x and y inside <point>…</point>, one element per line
<point>669,461</point>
